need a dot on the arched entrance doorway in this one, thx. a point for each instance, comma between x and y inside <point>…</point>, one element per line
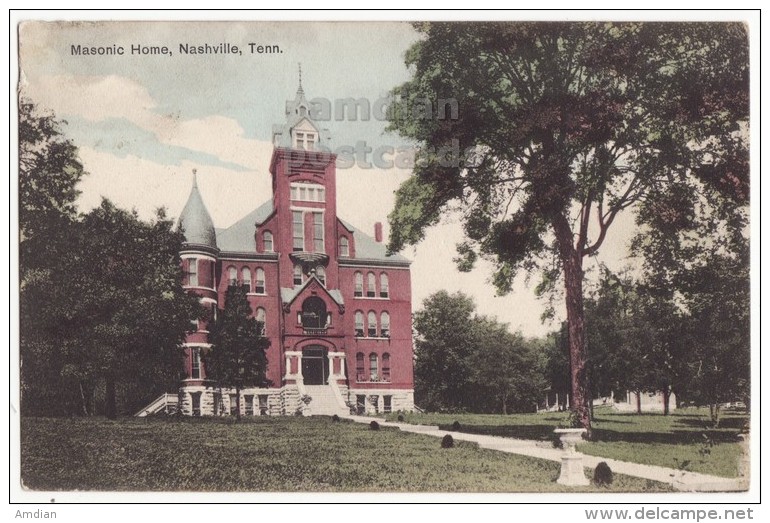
<point>315,364</point>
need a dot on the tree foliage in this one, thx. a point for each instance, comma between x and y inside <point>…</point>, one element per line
<point>49,170</point>
<point>237,356</point>
<point>562,126</point>
<point>466,362</point>
<point>110,313</point>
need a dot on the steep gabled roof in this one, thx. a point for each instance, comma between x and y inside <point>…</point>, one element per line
<point>367,248</point>
<point>289,295</point>
<point>239,237</point>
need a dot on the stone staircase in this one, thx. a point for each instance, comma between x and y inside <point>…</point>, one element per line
<point>326,401</point>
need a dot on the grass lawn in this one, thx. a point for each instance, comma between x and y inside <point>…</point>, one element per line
<point>284,454</point>
<point>683,439</point>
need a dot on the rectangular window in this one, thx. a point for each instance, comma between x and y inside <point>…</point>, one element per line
<point>196,403</point>
<point>298,227</point>
<point>263,405</point>
<point>318,232</point>
<point>321,195</point>
<point>249,406</point>
<point>196,364</point>
<point>294,192</point>
<point>387,404</point>
<point>192,271</point>
<point>259,284</point>
<point>233,404</point>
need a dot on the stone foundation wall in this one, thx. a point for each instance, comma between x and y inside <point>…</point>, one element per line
<point>285,401</point>
<point>375,399</point>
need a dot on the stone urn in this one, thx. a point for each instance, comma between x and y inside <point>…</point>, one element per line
<point>571,461</point>
<point>570,437</point>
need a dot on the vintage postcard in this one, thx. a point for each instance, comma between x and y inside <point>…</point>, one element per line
<point>385,257</point>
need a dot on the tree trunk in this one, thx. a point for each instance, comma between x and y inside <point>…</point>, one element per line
<point>638,401</point>
<point>572,263</point>
<point>714,411</point>
<point>505,406</point>
<point>84,401</point>
<point>110,403</point>
<point>237,403</point>
<point>666,399</point>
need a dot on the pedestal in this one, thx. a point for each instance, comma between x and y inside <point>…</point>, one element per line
<point>572,470</point>
<point>571,461</point>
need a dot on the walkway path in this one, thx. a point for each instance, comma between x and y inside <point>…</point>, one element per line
<point>680,480</point>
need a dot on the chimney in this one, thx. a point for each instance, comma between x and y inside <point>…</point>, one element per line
<point>378,232</point>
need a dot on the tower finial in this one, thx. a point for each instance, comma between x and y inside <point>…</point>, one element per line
<point>195,178</point>
<point>300,90</point>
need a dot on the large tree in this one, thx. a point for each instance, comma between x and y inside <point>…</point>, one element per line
<point>506,367</point>
<point>49,170</point>
<point>237,356</point>
<point>443,345</point>
<point>107,320</point>
<point>561,127</point>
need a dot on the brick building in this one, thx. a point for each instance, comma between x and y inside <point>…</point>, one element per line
<point>334,305</point>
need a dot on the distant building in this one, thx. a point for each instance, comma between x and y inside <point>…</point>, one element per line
<point>334,305</point>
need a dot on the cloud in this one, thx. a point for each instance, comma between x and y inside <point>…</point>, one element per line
<point>101,98</point>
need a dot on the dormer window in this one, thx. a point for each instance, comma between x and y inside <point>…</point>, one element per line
<point>305,140</point>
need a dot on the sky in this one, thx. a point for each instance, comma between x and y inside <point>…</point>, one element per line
<point>143,122</point>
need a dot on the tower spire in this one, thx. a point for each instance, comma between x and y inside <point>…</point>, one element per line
<point>195,178</point>
<point>300,90</point>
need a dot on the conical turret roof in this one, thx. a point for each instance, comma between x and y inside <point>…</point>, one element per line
<point>195,220</point>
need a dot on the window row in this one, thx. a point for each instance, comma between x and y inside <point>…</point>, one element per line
<point>371,285</point>
<point>371,325</point>
<point>245,279</point>
<point>378,371</point>
<point>305,192</point>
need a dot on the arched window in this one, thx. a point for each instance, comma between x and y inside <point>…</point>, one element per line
<point>232,276</point>
<point>359,285</point>
<point>385,325</point>
<point>386,367</point>
<point>344,246</point>
<point>371,290</point>
<point>384,287</point>
<point>372,325</point>
<point>320,273</point>
<point>314,313</point>
<point>246,279</point>
<point>267,241</point>
<point>261,320</point>
<point>259,282</point>
<point>297,275</point>
<point>373,376</point>
<point>360,367</point>
<point>359,324</point>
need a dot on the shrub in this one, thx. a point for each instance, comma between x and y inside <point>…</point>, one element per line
<point>335,418</point>
<point>456,426</point>
<point>374,425</point>
<point>603,475</point>
<point>400,417</point>
<point>447,442</point>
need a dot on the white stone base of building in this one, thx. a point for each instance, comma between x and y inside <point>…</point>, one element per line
<point>200,400</point>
